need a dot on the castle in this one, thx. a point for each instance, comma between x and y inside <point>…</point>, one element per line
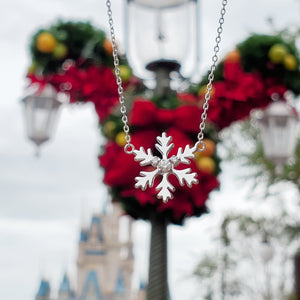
<point>104,263</point>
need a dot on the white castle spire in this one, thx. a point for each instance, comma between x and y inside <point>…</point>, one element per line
<point>104,263</point>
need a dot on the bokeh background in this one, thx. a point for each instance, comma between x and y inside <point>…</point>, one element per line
<point>44,201</point>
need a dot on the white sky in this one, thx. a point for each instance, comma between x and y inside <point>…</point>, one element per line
<point>40,199</point>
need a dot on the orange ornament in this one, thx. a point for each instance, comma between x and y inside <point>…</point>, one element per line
<point>202,91</point>
<point>206,164</point>
<point>233,56</point>
<point>120,139</point>
<point>210,148</point>
<point>107,45</point>
<point>290,62</point>
<point>45,42</point>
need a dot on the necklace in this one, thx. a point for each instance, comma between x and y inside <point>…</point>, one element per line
<point>165,165</point>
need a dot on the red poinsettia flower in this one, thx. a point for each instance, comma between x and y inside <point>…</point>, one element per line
<point>238,93</point>
<point>188,98</point>
<point>92,84</point>
<point>144,113</point>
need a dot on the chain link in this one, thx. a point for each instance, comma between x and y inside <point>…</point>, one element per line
<point>200,144</point>
<point>128,148</point>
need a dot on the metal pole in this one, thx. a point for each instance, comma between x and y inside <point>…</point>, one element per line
<point>158,277</point>
<point>297,275</point>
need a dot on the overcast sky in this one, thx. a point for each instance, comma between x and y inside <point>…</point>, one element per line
<point>41,199</point>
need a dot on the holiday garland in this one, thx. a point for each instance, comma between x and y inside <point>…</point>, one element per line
<point>76,59</point>
<point>260,68</point>
<point>148,118</point>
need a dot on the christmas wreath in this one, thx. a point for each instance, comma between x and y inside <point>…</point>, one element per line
<point>76,59</point>
<point>260,68</point>
<point>148,118</point>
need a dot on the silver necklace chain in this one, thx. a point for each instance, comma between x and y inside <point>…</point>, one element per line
<point>129,148</point>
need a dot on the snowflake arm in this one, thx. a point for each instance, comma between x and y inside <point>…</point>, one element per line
<point>186,154</point>
<point>143,157</point>
<point>185,175</point>
<point>164,189</point>
<point>146,178</point>
<point>163,147</point>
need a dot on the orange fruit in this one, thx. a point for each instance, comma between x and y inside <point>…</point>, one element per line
<point>206,164</point>
<point>210,148</point>
<point>233,56</point>
<point>45,42</point>
<point>107,45</point>
<point>120,139</point>
<point>290,62</point>
<point>277,53</point>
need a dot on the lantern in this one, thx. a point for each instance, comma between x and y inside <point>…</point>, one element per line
<point>40,111</point>
<point>278,128</point>
<point>162,36</point>
<point>267,251</point>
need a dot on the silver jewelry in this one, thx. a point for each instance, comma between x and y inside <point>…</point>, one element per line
<point>165,166</point>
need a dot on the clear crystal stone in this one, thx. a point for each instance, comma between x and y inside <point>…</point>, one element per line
<point>164,166</point>
<point>175,160</point>
<point>155,161</point>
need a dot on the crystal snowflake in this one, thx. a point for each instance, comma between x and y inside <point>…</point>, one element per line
<point>165,166</point>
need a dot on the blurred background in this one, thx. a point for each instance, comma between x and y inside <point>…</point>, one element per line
<point>44,201</point>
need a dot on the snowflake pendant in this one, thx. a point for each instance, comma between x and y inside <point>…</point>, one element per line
<point>165,166</point>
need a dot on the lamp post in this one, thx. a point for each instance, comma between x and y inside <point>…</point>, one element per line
<point>40,112</point>
<point>278,129</point>
<point>162,37</point>
<point>297,274</point>
<point>267,254</point>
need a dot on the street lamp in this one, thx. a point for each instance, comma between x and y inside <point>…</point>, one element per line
<point>267,251</point>
<point>267,254</point>
<point>278,129</point>
<point>162,36</point>
<point>40,111</point>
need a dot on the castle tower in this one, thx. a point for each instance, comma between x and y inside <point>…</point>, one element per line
<point>142,291</point>
<point>65,292</point>
<point>44,290</point>
<point>105,264</point>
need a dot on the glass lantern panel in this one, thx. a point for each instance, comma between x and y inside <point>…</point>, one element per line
<point>155,34</point>
<point>40,114</point>
<point>278,136</point>
<point>160,3</point>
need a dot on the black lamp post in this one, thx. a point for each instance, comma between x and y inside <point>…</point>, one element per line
<point>162,39</point>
